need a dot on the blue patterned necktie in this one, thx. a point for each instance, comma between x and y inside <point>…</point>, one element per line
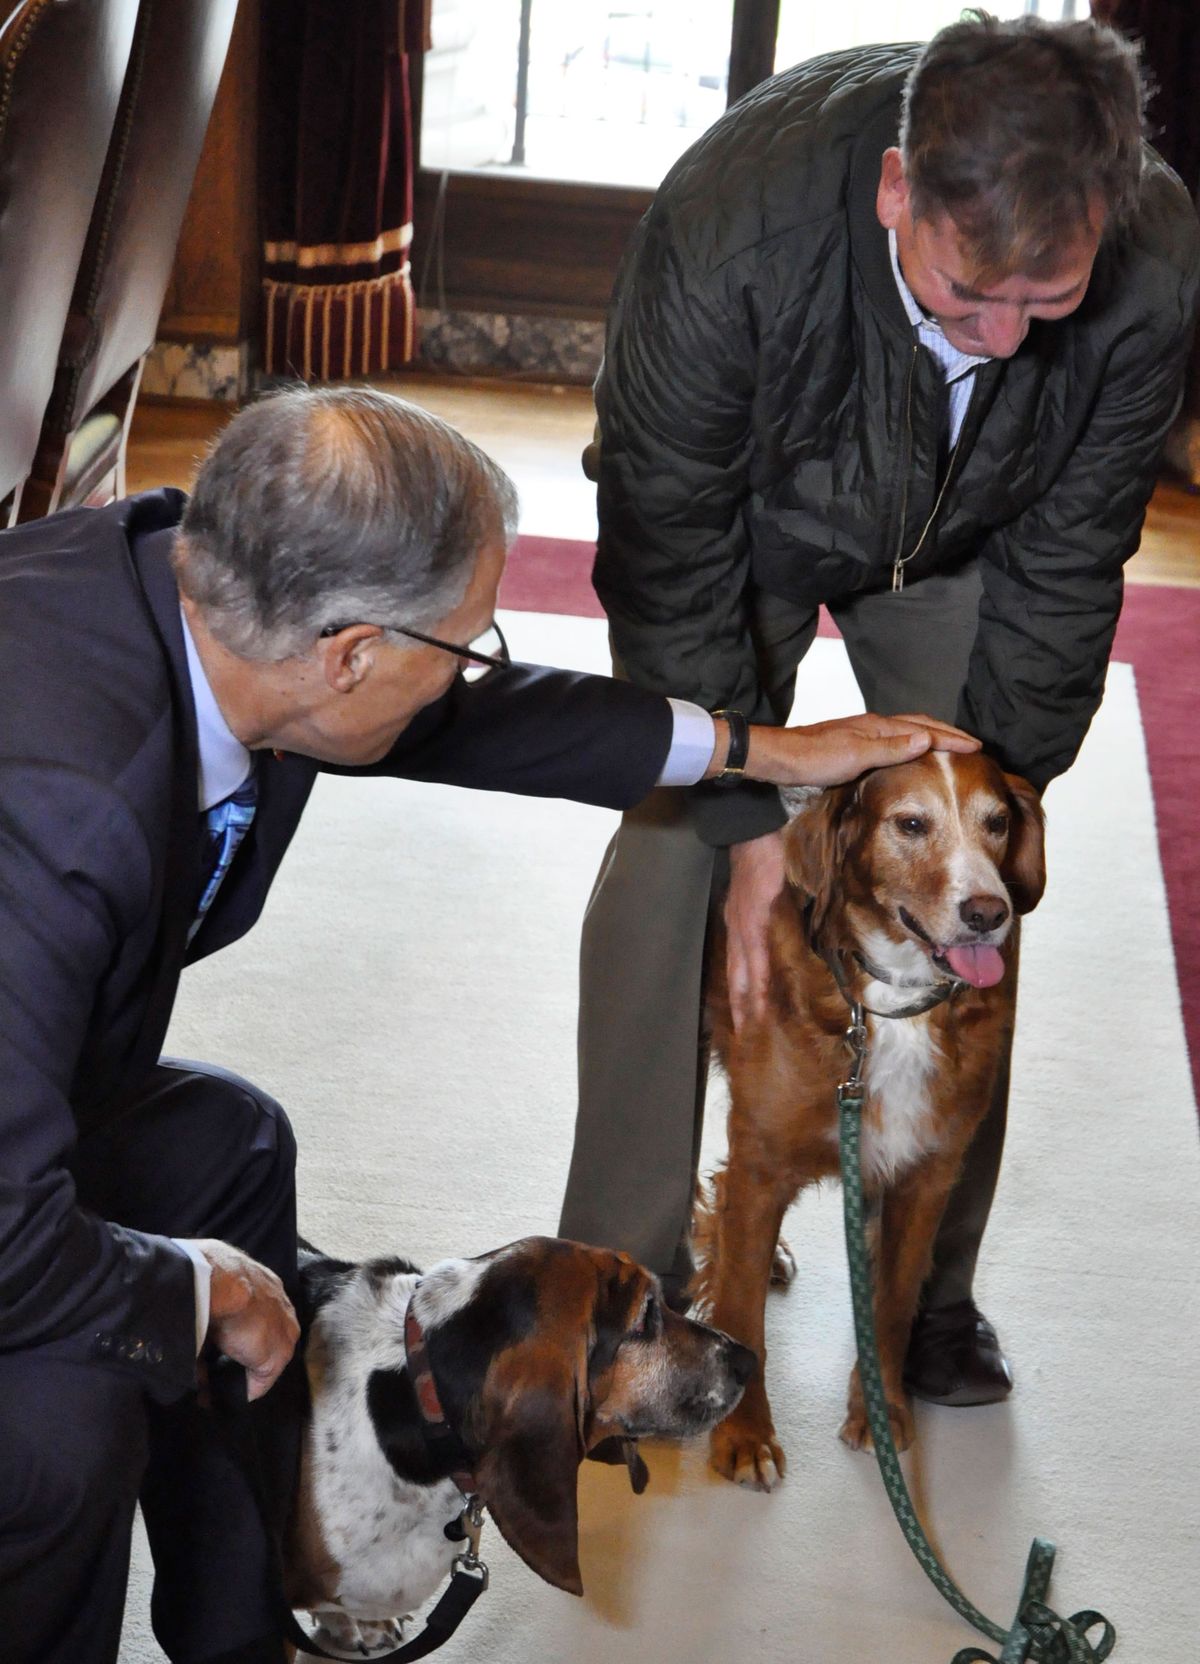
<point>225,825</point>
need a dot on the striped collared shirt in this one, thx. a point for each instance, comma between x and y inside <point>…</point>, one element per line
<point>957,367</point>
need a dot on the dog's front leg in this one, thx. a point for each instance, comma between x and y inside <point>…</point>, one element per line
<point>911,1212</point>
<point>750,1202</point>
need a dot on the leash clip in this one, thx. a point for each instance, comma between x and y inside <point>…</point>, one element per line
<point>856,1044</point>
<point>469,1561</point>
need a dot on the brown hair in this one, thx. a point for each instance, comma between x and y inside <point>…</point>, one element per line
<point>1015,129</point>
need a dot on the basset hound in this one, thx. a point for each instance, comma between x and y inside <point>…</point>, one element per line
<point>497,1375</point>
<point>903,889</point>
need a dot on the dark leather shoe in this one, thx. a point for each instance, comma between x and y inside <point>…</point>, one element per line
<point>954,1358</point>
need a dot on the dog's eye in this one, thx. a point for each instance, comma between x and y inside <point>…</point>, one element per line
<point>997,823</point>
<point>912,826</point>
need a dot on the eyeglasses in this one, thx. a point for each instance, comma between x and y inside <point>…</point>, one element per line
<point>486,653</point>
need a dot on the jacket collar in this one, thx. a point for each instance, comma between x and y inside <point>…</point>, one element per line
<point>868,239</point>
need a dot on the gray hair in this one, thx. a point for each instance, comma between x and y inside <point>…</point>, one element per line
<point>336,505</point>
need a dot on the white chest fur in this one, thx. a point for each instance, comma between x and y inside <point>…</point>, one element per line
<point>898,1124</point>
<point>387,1534</point>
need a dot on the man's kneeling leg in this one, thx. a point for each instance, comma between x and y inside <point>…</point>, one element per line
<point>74,1449</point>
<point>203,1153</point>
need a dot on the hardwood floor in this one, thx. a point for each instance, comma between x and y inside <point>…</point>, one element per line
<point>1170,547</point>
<point>537,433</point>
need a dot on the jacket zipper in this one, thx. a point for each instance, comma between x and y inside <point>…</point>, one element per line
<point>902,560</point>
<point>906,467</point>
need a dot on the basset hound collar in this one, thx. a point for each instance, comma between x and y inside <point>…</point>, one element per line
<point>444,1443</point>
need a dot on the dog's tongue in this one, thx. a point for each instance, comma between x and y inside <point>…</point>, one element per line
<point>980,966</point>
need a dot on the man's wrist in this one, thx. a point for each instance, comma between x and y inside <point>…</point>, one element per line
<point>201,1284</point>
<point>732,763</point>
<point>720,750</point>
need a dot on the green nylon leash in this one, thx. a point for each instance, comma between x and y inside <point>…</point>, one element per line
<point>1037,1632</point>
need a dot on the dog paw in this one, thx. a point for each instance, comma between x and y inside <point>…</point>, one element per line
<point>856,1431</point>
<point>747,1458</point>
<point>380,1637</point>
<point>783,1266</point>
<point>358,1637</point>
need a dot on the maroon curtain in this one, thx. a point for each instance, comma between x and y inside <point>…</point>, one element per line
<point>337,185</point>
<point>1169,31</point>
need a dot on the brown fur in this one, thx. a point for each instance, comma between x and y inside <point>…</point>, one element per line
<point>854,861</point>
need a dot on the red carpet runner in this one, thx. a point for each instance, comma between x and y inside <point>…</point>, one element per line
<point>1159,635</point>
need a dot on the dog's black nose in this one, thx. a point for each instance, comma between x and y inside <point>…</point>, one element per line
<point>742,1361</point>
<point>983,913</point>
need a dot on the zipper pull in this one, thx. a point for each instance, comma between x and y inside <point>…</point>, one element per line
<point>897,577</point>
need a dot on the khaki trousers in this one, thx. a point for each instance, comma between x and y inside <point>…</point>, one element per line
<point>642,1063</point>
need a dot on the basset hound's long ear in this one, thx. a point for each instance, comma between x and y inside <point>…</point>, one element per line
<point>815,843</point>
<point>1024,867</point>
<point>532,1439</point>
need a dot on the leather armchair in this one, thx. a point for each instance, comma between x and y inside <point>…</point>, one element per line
<point>62,64</point>
<point>179,49</point>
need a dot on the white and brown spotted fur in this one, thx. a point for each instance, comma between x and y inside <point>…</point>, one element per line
<point>541,1352</point>
<point>915,873</point>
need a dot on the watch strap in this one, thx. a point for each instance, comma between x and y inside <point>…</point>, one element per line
<point>739,748</point>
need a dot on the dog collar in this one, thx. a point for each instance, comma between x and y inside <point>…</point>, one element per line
<point>443,1441</point>
<point>939,992</point>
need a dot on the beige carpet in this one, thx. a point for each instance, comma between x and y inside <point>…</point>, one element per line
<point>410,997</point>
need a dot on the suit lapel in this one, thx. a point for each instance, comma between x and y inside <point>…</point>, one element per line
<point>151,556</point>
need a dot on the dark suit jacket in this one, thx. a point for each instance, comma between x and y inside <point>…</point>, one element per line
<point>100,845</point>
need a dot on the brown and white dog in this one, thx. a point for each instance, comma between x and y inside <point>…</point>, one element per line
<point>538,1353</point>
<point>902,888</point>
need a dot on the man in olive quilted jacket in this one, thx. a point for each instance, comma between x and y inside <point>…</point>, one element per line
<point>901,335</point>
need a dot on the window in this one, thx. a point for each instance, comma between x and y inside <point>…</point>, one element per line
<point>546,124</point>
<point>611,94</point>
<point>806,30</point>
<point>614,91</point>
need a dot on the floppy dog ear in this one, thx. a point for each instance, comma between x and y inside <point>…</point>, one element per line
<point>533,1446</point>
<point>1024,867</point>
<point>815,843</point>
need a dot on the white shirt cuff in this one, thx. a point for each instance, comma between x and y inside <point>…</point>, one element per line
<point>202,1275</point>
<point>692,744</point>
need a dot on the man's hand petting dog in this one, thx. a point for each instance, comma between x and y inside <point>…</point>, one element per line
<point>250,1318</point>
<point>835,752</point>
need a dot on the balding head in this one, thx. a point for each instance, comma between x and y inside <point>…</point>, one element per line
<point>315,507</point>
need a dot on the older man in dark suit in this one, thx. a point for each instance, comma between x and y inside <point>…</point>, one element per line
<point>172,676</point>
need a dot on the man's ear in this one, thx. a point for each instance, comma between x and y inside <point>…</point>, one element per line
<point>347,657</point>
<point>891,199</point>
